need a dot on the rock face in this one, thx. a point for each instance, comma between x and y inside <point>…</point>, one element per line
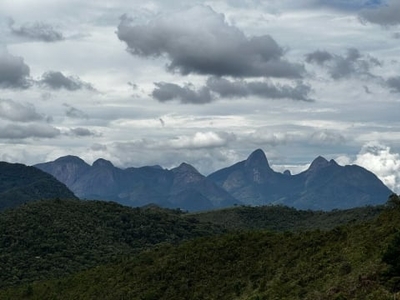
<point>20,184</point>
<point>324,186</point>
<point>182,187</point>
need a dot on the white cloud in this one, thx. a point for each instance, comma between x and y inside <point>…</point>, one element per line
<point>380,160</point>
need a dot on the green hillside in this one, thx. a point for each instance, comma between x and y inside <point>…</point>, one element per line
<point>21,184</point>
<point>283,218</point>
<point>52,238</point>
<point>354,261</point>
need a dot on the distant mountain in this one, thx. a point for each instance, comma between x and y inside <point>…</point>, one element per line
<point>20,184</point>
<point>182,187</point>
<point>324,186</point>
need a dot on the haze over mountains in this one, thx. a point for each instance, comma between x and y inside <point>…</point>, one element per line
<point>324,186</point>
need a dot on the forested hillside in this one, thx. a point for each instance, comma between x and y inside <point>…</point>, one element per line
<point>353,261</point>
<point>52,238</point>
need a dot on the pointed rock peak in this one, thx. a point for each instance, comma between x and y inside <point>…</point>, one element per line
<point>70,159</point>
<point>257,158</point>
<point>184,167</point>
<point>318,163</point>
<point>103,163</point>
<point>332,162</point>
<point>287,173</point>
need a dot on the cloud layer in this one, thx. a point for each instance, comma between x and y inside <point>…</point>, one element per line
<point>206,44</point>
<point>14,72</point>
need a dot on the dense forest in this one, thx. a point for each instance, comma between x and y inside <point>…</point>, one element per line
<point>106,251</point>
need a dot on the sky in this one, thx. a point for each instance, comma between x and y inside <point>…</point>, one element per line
<point>203,82</point>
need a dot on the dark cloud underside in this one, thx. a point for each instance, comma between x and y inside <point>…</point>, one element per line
<point>81,132</point>
<point>169,91</point>
<point>37,31</point>
<point>200,41</point>
<point>386,15</point>
<point>14,73</point>
<point>344,66</point>
<point>16,131</point>
<point>57,80</point>
<point>18,112</point>
<point>75,113</point>
<point>394,84</point>
<point>263,89</point>
<point>224,88</point>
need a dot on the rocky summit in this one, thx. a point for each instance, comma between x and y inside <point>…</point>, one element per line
<point>325,185</point>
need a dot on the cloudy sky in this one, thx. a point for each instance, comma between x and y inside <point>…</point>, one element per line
<point>205,82</point>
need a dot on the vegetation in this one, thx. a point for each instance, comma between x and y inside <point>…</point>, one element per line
<point>49,239</point>
<point>283,218</point>
<point>20,184</point>
<point>358,260</point>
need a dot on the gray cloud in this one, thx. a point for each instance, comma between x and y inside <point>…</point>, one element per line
<point>386,15</point>
<point>14,111</point>
<point>229,89</point>
<point>81,132</point>
<point>14,73</point>
<point>343,66</point>
<point>200,41</point>
<point>396,35</point>
<point>37,31</point>
<point>263,89</point>
<point>16,131</point>
<point>75,113</point>
<point>327,137</point>
<point>394,84</point>
<point>169,91</point>
<point>318,57</point>
<point>56,80</point>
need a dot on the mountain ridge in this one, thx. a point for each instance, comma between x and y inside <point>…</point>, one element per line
<point>325,185</point>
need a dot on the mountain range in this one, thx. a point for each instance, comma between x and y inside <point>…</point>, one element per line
<point>325,185</point>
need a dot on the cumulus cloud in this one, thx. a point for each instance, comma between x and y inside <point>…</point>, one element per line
<point>225,88</point>
<point>14,73</point>
<point>17,131</point>
<point>380,160</point>
<point>81,132</point>
<point>56,80</point>
<point>36,31</point>
<point>201,41</point>
<point>344,66</point>
<point>169,91</point>
<point>207,139</point>
<point>319,57</point>
<point>74,112</point>
<point>386,14</point>
<point>18,112</point>
<point>327,137</point>
<point>394,84</point>
<point>263,89</point>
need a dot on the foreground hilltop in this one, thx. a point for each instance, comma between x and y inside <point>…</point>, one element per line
<point>20,184</point>
<point>323,186</point>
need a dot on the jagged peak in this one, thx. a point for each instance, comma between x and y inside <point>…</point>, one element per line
<point>257,158</point>
<point>101,162</point>
<point>70,159</point>
<point>287,172</point>
<point>185,167</point>
<point>318,163</point>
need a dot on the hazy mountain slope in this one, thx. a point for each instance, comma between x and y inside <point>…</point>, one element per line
<point>20,184</point>
<point>182,187</point>
<point>324,186</point>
